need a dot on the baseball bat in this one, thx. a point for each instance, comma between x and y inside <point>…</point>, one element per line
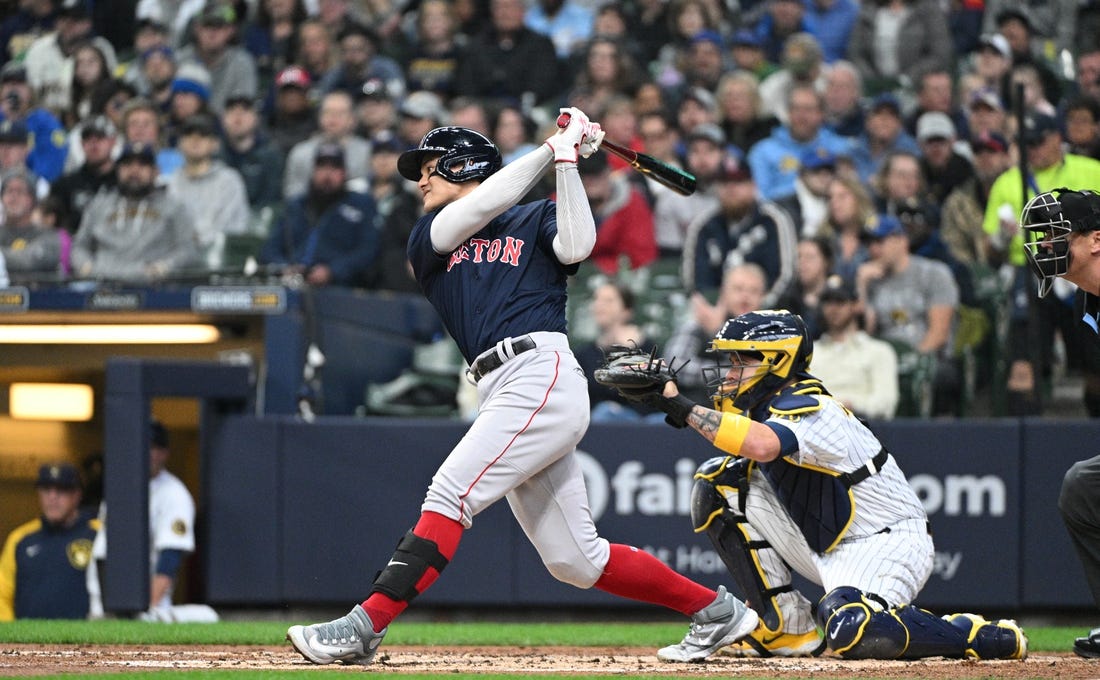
<point>674,178</point>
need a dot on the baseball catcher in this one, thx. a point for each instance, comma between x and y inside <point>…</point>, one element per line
<point>804,485</point>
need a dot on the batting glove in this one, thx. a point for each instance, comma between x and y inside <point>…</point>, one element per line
<point>566,142</point>
<point>591,141</point>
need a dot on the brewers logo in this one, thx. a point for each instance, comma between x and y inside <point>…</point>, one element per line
<point>179,527</point>
<point>79,553</point>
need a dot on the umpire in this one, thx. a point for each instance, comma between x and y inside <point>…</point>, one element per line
<point>1063,227</point>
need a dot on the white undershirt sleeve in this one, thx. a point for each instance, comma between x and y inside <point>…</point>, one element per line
<point>576,226</point>
<point>463,218</point>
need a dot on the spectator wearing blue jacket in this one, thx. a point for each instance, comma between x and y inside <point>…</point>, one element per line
<point>883,133</point>
<point>329,234</point>
<point>47,140</point>
<point>775,159</point>
<point>831,22</point>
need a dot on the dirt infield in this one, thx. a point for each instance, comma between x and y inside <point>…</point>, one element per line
<point>31,660</point>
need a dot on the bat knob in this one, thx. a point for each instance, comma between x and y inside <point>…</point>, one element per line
<point>563,120</point>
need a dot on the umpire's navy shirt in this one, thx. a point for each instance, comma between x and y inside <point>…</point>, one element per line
<point>504,281</point>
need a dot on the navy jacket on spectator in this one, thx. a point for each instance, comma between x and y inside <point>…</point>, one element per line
<point>344,237</point>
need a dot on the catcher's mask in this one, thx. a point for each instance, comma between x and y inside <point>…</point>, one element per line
<point>756,354</point>
<point>464,155</point>
<point>1049,219</point>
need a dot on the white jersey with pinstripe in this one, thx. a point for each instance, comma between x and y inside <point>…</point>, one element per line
<point>887,549</point>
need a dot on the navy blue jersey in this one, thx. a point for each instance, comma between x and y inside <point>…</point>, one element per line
<point>504,281</point>
<point>46,564</point>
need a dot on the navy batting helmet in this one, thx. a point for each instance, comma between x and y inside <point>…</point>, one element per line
<point>1049,218</point>
<point>464,155</point>
<point>772,347</point>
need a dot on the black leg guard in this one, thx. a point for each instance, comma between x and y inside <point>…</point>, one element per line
<point>728,530</point>
<point>862,625</point>
<point>413,557</point>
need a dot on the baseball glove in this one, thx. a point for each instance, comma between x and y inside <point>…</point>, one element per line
<point>640,377</point>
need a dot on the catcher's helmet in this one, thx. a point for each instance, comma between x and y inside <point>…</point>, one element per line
<point>1049,218</point>
<point>464,155</point>
<point>771,347</point>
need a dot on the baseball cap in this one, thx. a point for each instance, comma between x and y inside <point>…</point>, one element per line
<point>713,37</point>
<point>199,124</point>
<point>734,170</point>
<point>881,226</point>
<point>745,38</point>
<point>986,96</point>
<point>838,290</point>
<point>375,88</point>
<point>702,96</point>
<point>98,126</point>
<point>708,131</point>
<point>997,42</point>
<point>139,151</point>
<point>293,76</point>
<point>163,50</point>
<point>151,22</point>
<point>934,125</point>
<point>59,475</point>
<point>386,140</point>
<point>77,9</point>
<point>13,72</point>
<point>217,14</point>
<point>1013,14</point>
<point>158,435</point>
<point>885,100</point>
<point>329,153</point>
<point>1037,126</point>
<point>244,100</point>
<point>816,158</point>
<point>423,104</point>
<point>989,141</point>
<point>14,131</point>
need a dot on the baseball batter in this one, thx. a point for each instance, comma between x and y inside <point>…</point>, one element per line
<point>809,487</point>
<point>496,273</point>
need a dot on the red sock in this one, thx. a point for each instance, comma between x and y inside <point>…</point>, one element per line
<point>635,574</point>
<point>382,609</point>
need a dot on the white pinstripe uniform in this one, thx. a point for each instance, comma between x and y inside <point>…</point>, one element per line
<point>887,549</point>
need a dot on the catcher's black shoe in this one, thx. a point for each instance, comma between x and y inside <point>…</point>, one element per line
<point>1088,647</point>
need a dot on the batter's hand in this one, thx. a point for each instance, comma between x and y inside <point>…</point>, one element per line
<point>592,140</point>
<point>566,142</point>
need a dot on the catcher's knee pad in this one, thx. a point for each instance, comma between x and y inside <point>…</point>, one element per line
<point>412,559</point>
<point>862,625</point>
<point>720,482</point>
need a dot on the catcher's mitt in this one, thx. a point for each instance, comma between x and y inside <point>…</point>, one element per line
<point>633,372</point>
<point>640,377</point>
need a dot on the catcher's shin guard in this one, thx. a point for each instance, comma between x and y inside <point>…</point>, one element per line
<point>862,625</point>
<point>755,566</point>
<point>412,559</point>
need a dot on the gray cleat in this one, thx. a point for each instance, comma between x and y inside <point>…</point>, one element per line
<point>350,639</point>
<point>720,623</point>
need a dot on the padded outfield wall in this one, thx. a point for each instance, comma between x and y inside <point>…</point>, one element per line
<point>305,513</point>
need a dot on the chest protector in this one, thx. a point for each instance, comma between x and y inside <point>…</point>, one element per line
<point>819,501</point>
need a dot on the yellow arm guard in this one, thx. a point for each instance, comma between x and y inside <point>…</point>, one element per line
<point>732,432</point>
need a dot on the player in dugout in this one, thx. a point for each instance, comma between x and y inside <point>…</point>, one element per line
<point>804,485</point>
<point>496,273</point>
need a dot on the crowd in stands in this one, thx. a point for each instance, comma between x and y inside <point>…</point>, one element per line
<point>148,140</point>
